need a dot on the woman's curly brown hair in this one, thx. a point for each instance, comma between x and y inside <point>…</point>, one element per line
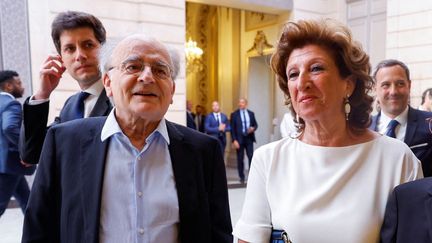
<point>348,55</point>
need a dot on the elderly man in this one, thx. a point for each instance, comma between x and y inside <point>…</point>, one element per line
<point>397,119</point>
<point>132,176</point>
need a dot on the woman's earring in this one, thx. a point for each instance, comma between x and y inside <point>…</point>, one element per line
<point>347,107</point>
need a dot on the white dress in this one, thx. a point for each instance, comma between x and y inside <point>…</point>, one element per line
<point>323,194</point>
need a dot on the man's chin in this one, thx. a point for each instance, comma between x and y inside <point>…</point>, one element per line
<point>87,80</point>
<point>395,111</point>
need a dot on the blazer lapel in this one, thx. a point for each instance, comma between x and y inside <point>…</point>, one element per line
<point>184,167</point>
<point>428,209</point>
<point>66,111</point>
<point>103,105</point>
<point>411,126</point>
<point>92,161</point>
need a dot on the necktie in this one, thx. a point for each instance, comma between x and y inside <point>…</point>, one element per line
<point>244,122</point>
<point>391,128</point>
<point>78,109</point>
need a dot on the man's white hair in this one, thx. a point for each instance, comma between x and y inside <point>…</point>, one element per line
<point>107,49</point>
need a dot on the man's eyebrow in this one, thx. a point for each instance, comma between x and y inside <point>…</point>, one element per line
<point>132,58</point>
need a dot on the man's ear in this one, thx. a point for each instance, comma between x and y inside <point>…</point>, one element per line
<point>107,84</point>
<point>7,87</point>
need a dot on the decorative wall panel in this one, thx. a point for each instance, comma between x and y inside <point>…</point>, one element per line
<point>14,39</point>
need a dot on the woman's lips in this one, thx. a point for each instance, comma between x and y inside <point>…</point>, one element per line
<point>306,99</point>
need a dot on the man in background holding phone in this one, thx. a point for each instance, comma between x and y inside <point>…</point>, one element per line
<point>77,37</point>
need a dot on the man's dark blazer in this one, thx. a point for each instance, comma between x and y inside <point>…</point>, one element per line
<point>10,123</point>
<point>211,127</point>
<point>418,136</point>
<point>408,216</point>
<point>201,126</point>
<point>237,127</point>
<point>35,123</point>
<point>65,201</point>
<point>190,120</point>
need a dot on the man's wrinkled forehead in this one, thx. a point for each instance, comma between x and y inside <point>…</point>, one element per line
<point>140,48</point>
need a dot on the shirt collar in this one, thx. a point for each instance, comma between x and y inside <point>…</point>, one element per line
<point>95,89</point>
<point>8,94</point>
<point>402,118</point>
<point>112,127</point>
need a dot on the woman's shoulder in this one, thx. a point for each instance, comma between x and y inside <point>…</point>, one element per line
<point>275,146</point>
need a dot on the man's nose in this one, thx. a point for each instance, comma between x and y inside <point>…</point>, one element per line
<point>393,89</point>
<point>146,75</point>
<point>80,54</point>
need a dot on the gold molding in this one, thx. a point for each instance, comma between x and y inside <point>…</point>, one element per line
<point>260,43</point>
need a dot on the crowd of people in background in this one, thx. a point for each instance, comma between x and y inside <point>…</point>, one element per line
<point>111,168</point>
<point>241,124</point>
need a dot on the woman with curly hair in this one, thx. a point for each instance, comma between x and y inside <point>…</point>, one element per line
<point>328,182</point>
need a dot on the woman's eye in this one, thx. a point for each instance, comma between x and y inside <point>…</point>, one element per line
<point>317,68</point>
<point>292,75</point>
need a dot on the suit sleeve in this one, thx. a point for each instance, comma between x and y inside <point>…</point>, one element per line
<point>11,118</point>
<point>233,127</point>
<point>218,198</point>
<point>254,123</point>
<point>42,220</point>
<point>33,131</point>
<point>389,226</point>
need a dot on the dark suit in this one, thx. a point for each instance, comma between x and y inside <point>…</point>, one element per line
<point>418,136</point>
<point>36,118</point>
<point>245,140</point>
<point>199,122</point>
<point>12,181</point>
<point>65,200</point>
<point>190,120</point>
<point>408,216</point>
<point>211,127</point>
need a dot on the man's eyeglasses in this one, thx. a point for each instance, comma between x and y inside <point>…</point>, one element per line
<point>159,70</point>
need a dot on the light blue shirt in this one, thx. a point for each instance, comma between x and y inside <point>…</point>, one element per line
<point>244,115</point>
<point>139,197</point>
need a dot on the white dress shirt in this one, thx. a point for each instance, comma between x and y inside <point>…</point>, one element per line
<point>217,117</point>
<point>139,197</point>
<point>8,94</point>
<point>400,129</point>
